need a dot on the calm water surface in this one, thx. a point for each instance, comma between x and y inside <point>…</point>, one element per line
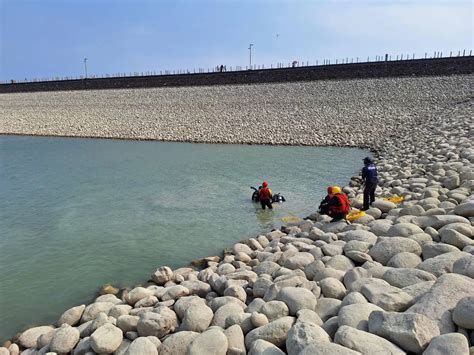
<point>78,213</point>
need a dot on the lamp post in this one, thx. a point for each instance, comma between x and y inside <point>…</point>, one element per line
<point>250,54</point>
<point>85,66</point>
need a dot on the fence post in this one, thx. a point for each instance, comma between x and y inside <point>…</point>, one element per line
<point>463,52</point>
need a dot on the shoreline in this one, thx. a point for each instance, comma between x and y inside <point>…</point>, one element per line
<point>315,287</point>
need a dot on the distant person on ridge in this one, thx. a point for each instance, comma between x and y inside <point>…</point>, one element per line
<point>335,204</point>
<point>266,196</point>
<point>370,180</point>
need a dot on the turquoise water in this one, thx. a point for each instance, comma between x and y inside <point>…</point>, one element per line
<point>78,213</point>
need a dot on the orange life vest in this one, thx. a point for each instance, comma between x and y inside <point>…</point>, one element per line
<point>265,193</point>
<point>344,204</point>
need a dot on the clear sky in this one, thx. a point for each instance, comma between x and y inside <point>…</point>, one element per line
<point>49,38</point>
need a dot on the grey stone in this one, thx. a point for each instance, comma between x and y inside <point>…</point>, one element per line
<point>454,343</point>
<point>356,315</point>
<point>439,302</point>
<point>464,266</point>
<point>403,277</point>
<point>410,331</point>
<point>360,235</point>
<point>364,342</point>
<point>327,308</point>
<point>328,349</point>
<point>302,334</point>
<point>72,316</point>
<point>177,343</point>
<point>197,318</point>
<point>212,342</point>
<point>388,297</point>
<point>263,347</point>
<point>297,298</point>
<point>93,310</point>
<point>404,260</point>
<point>404,230</point>
<point>432,249</point>
<point>30,336</point>
<point>386,248</point>
<point>64,339</point>
<point>465,209</point>
<point>106,339</point>
<point>274,332</point>
<point>353,298</point>
<point>332,288</point>
<point>235,339</point>
<point>418,290</point>
<point>452,237</point>
<point>142,346</point>
<point>307,315</point>
<point>224,312</point>
<point>154,324</point>
<point>463,314</point>
<point>127,323</point>
<point>275,309</point>
<point>441,264</point>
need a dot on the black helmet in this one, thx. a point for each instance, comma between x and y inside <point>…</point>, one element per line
<point>368,160</point>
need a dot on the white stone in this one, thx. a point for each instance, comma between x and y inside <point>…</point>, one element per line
<point>106,339</point>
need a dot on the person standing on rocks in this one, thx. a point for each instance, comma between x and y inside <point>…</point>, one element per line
<point>370,179</point>
<point>265,195</point>
<point>335,204</point>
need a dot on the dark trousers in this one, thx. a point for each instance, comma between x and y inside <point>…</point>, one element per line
<point>266,203</point>
<point>337,217</point>
<point>369,195</point>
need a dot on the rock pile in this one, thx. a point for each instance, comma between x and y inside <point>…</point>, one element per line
<point>399,280</point>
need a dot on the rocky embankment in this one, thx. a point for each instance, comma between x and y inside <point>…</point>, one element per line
<point>396,281</point>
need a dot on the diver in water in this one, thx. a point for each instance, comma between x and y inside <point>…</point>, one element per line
<point>266,196</point>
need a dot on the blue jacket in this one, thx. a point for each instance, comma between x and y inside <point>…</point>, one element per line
<point>369,174</point>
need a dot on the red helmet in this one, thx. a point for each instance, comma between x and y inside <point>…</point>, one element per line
<point>329,190</point>
<point>265,184</point>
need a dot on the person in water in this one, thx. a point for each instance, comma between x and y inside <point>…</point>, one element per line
<point>370,180</point>
<point>335,204</point>
<point>265,195</point>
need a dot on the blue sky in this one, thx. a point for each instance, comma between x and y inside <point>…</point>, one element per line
<point>49,38</point>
